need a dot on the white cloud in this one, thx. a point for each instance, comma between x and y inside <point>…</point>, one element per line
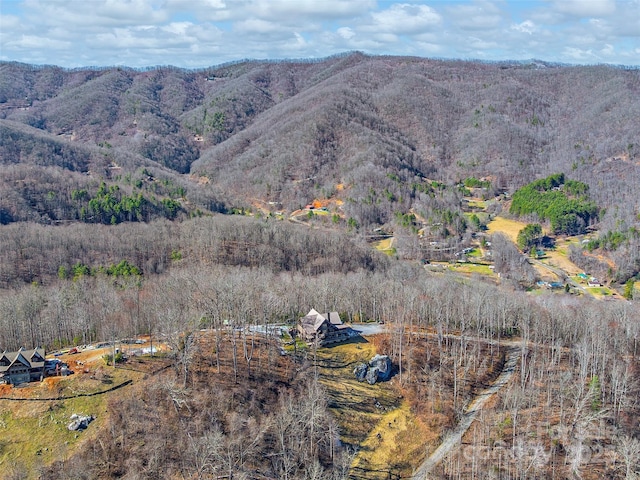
<point>28,42</point>
<point>525,27</point>
<point>195,4</point>
<point>257,26</point>
<point>346,33</point>
<point>584,8</point>
<point>203,10</point>
<point>608,50</point>
<point>315,10</point>
<point>480,44</point>
<point>178,28</point>
<point>9,22</point>
<point>428,49</point>
<point>383,37</point>
<point>578,55</point>
<point>94,13</point>
<point>405,18</point>
<point>627,19</point>
<point>477,16</point>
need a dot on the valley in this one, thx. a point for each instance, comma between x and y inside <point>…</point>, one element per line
<point>478,221</point>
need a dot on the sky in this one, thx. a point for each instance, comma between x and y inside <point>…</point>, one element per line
<point>203,33</point>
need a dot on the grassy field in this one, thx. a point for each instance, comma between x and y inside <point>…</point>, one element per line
<point>509,227</point>
<point>476,203</point>
<point>559,257</point>
<point>386,246</point>
<point>471,268</point>
<point>601,292</point>
<point>392,446</point>
<point>34,432</point>
<point>375,417</point>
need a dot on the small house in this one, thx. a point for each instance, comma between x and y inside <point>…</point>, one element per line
<point>22,366</point>
<point>323,328</point>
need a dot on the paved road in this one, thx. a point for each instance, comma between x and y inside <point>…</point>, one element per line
<point>453,439</point>
<point>561,274</point>
<point>369,328</point>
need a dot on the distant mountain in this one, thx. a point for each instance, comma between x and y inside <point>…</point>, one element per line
<point>370,130</point>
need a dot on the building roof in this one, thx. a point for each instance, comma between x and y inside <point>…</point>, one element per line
<point>334,318</point>
<point>29,358</point>
<point>313,320</point>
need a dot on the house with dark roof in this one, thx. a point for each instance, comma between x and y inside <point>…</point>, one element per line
<point>22,366</point>
<point>323,328</point>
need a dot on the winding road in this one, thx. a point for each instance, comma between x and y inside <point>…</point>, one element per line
<point>558,272</point>
<point>453,439</point>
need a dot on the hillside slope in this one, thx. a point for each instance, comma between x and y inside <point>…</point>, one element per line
<point>260,129</point>
<point>388,139</point>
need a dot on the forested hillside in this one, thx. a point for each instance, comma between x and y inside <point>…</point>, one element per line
<point>375,132</point>
<point>166,202</point>
<point>289,131</point>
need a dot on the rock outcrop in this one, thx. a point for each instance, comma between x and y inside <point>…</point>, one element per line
<point>80,422</point>
<point>379,368</point>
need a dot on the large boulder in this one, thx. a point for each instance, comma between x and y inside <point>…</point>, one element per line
<point>361,371</point>
<point>372,375</point>
<point>378,369</point>
<point>382,364</point>
<point>80,422</point>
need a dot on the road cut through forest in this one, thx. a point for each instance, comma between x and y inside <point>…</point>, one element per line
<point>452,440</point>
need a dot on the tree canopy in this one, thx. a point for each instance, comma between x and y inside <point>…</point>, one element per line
<point>565,204</point>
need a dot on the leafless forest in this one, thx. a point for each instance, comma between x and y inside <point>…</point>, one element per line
<point>150,202</point>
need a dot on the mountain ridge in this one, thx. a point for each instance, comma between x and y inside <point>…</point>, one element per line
<point>291,131</point>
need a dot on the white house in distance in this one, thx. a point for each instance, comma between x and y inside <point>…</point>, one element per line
<point>323,328</point>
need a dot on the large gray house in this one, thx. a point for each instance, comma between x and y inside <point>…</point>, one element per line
<point>323,328</point>
<point>22,366</point>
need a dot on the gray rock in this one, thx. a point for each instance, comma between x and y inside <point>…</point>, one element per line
<point>361,371</point>
<point>372,375</point>
<point>80,422</point>
<point>378,369</point>
<point>383,365</point>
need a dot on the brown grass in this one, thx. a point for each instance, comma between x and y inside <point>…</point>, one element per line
<point>375,418</point>
<point>507,226</point>
<point>394,444</point>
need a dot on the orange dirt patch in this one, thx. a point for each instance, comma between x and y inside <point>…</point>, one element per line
<point>87,357</point>
<point>201,180</point>
<point>51,383</point>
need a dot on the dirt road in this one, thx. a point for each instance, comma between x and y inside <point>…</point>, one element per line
<point>453,439</point>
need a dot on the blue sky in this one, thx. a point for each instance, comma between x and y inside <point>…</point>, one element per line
<point>200,33</point>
